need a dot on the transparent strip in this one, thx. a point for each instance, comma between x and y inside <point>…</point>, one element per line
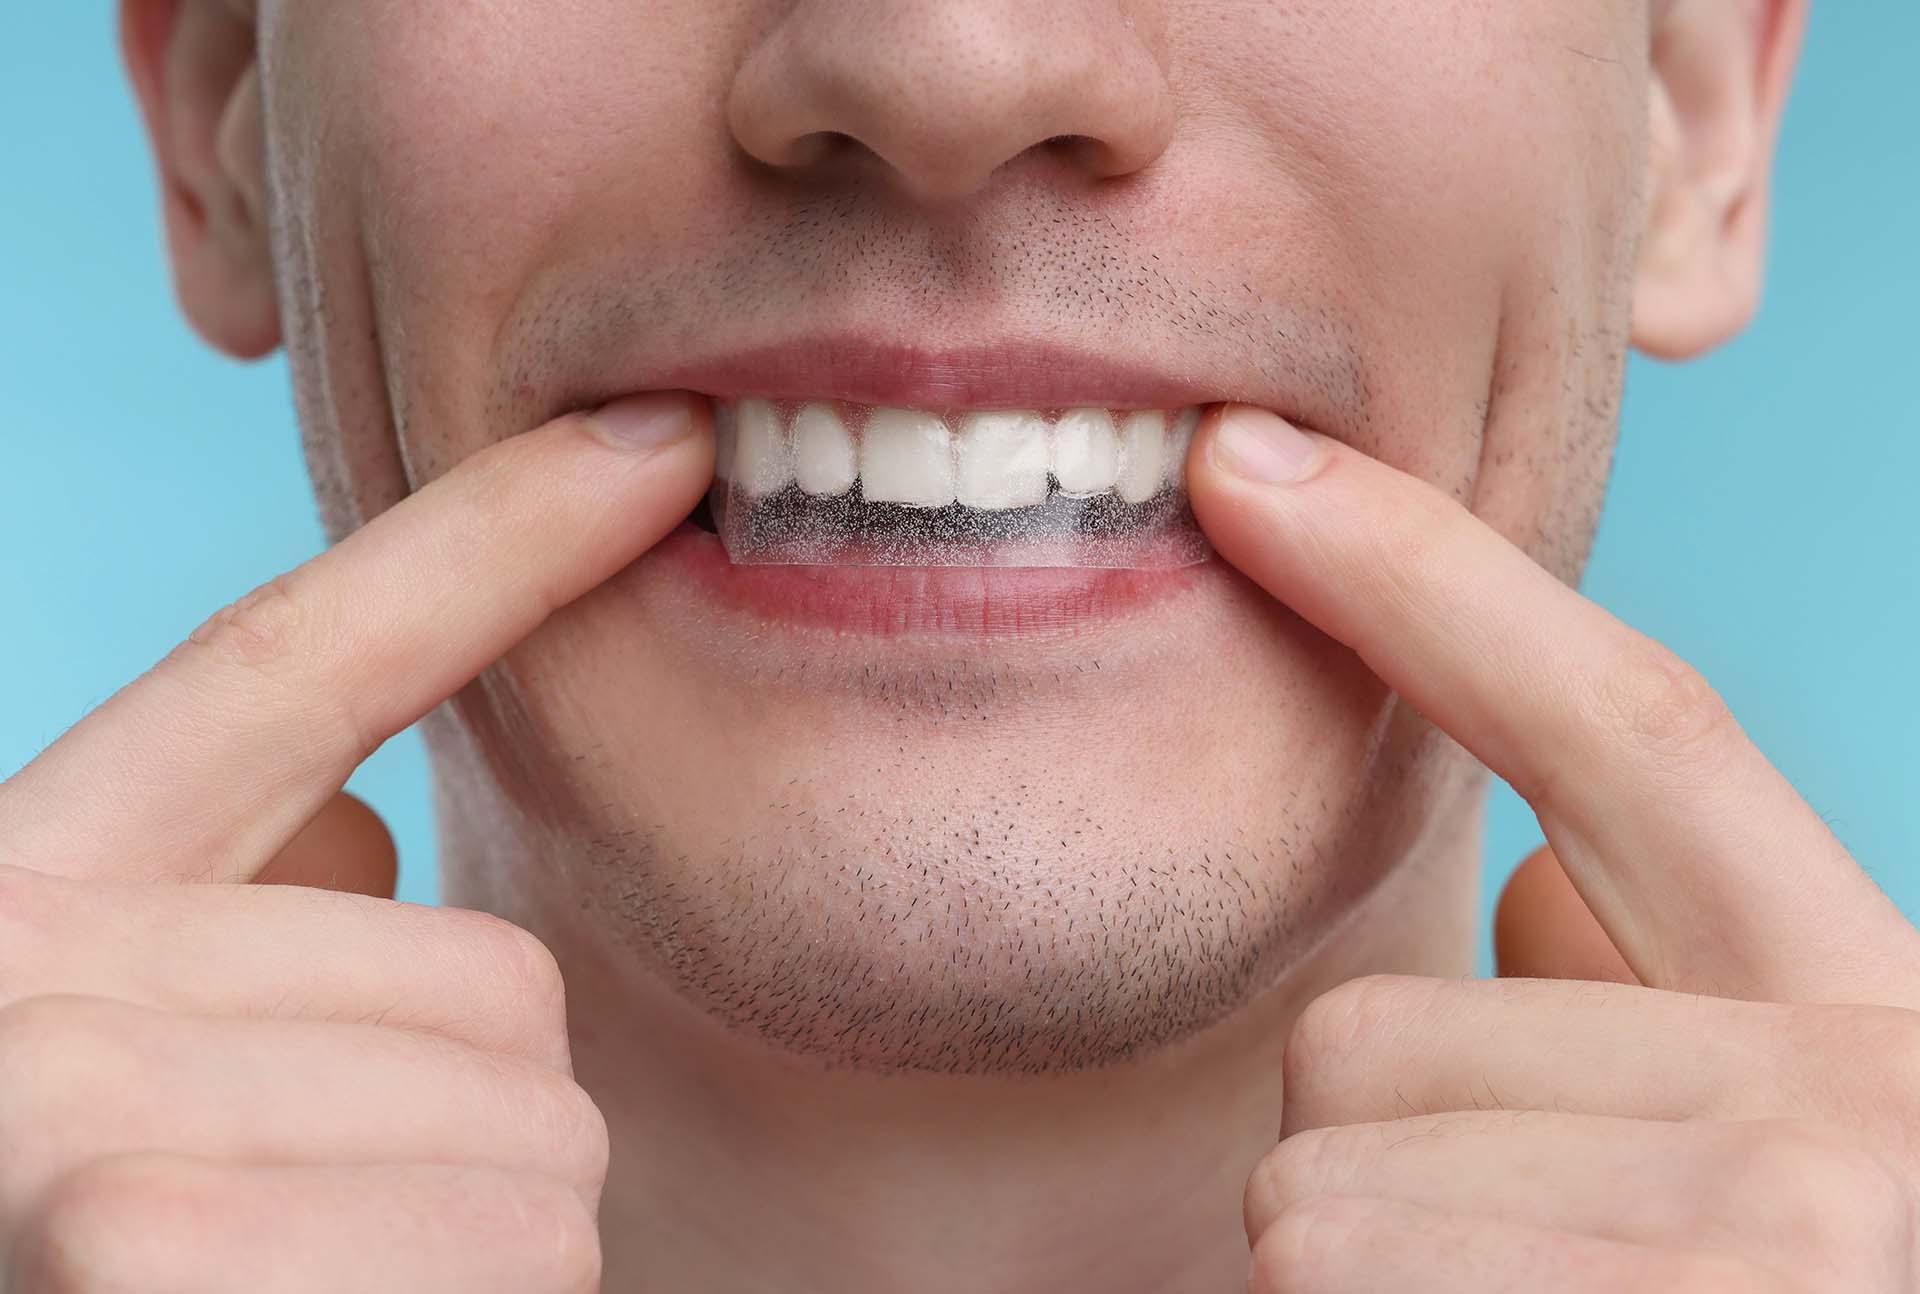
<point>815,483</point>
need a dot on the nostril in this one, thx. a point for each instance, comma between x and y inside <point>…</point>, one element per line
<point>818,146</point>
<point>1093,155</point>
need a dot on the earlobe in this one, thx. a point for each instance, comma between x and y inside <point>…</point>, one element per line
<point>1721,71</point>
<point>193,67</point>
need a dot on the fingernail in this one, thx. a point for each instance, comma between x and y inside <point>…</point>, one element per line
<point>645,422</point>
<point>1261,446</point>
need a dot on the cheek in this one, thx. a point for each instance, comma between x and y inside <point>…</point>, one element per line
<point>464,145</point>
<point>1470,173</point>
<point>1442,154</point>
<point>482,127</point>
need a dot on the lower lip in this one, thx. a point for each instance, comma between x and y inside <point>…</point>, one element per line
<point>953,602</point>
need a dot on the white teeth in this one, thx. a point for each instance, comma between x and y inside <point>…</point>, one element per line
<point>1003,460</point>
<point>1143,453</point>
<point>1179,440</point>
<point>906,457</point>
<point>822,451</point>
<point>1086,454</point>
<point>996,460</point>
<point>726,430</point>
<point>762,456</point>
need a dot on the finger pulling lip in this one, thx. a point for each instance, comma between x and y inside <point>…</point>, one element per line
<point>934,602</point>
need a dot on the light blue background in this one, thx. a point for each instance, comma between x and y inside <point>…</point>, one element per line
<point>1762,520</point>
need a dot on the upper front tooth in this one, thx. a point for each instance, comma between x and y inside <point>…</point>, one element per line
<point>1179,438</point>
<point>1003,460</point>
<point>1086,454</point>
<point>822,451</point>
<point>906,457</point>
<point>762,455</point>
<point>726,430</point>
<point>1143,451</point>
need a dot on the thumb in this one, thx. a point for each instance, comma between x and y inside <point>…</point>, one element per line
<point>344,847</point>
<point>1542,929</point>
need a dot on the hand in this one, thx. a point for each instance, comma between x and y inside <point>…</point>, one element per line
<point>1744,1117</point>
<point>212,1084</point>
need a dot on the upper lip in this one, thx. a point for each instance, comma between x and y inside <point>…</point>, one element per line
<point>1010,374</point>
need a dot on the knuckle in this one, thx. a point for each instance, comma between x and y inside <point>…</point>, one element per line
<point>518,956</point>
<point>1307,1245</point>
<point>272,635</point>
<point>593,1145</point>
<point>526,970</point>
<point>256,632</point>
<point>1298,1168</point>
<point>1344,1020</point>
<point>1671,715</point>
<point>573,1240</point>
<point>547,1227</point>
<point>577,1131</point>
<point>88,1235</point>
<point>1822,1195</point>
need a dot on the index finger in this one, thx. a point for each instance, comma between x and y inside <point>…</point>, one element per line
<point>206,765</point>
<point>1705,867</point>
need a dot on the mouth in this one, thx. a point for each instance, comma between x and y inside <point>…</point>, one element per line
<point>891,521</point>
<point>834,483</point>
<point>886,491</point>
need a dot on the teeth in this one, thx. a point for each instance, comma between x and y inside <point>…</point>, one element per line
<point>1086,453</point>
<point>1179,440</point>
<point>762,457</point>
<point>1003,460</point>
<point>906,457</point>
<point>995,460</point>
<point>726,430</point>
<point>823,461</point>
<point>1143,454</point>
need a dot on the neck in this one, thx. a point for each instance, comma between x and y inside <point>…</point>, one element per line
<point>739,1168</point>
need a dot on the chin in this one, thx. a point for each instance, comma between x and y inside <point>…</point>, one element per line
<point>941,852</point>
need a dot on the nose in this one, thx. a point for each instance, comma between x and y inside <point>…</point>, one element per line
<point>940,94</point>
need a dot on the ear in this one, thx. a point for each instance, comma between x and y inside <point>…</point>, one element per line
<point>193,68</point>
<point>1721,71</point>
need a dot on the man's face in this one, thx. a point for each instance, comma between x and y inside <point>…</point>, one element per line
<point>956,821</point>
